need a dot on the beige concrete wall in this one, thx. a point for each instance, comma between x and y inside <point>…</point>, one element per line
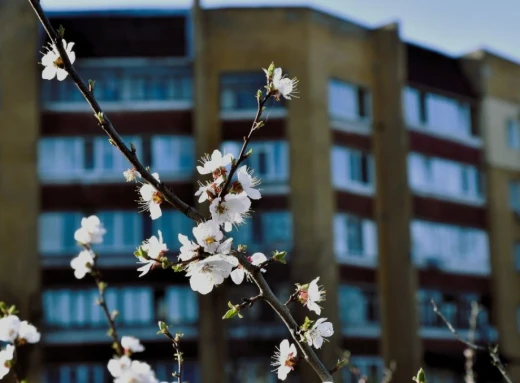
<point>19,189</point>
<point>504,231</point>
<point>396,273</point>
<point>496,112</point>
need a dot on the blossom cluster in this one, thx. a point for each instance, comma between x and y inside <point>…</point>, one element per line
<point>14,332</point>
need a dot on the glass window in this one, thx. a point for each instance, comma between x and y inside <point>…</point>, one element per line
<point>516,255</point>
<point>444,177</point>
<point>354,236</point>
<point>351,168</point>
<point>513,134</point>
<point>358,306</point>
<point>173,156</point>
<point>238,91</point>
<point>412,106</point>
<point>182,306</point>
<point>514,195</point>
<point>56,232</point>
<point>124,230</point>
<point>269,159</point>
<point>60,158</point>
<point>277,228</point>
<point>369,367</point>
<point>75,308</point>
<point>348,101</point>
<point>131,83</point>
<point>171,224</point>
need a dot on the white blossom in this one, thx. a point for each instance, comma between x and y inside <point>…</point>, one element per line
<point>131,344</point>
<point>91,231</point>
<point>53,63</point>
<point>211,189</point>
<point>285,358</point>
<point>151,199</point>
<point>224,249</point>
<point>28,333</point>
<point>9,328</point>
<point>216,161</point>
<point>117,366</point>
<point>154,248</point>
<point>208,235</point>
<point>284,86</point>
<point>230,210</point>
<point>210,272</point>
<point>311,295</point>
<point>239,273</point>
<point>6,355</point>
<point>131,174</point>
<point>248,183</point>
<point>125,370</point>
<point>189,249</point>
<point>82,264</point>
<point>318,331</point>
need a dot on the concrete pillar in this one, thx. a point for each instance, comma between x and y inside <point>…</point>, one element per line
<point>19,188</point>
<point>312,198</point>
<point>212,347</point>
<point>396,274</point>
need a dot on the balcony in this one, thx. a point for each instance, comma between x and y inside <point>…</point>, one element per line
<point>139,84</point>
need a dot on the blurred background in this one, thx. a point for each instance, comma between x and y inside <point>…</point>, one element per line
<point>395,177</point>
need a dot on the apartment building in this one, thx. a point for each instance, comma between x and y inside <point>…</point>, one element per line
<point>394,177</point>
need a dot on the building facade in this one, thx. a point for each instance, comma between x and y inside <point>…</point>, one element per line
<point>395,177</point>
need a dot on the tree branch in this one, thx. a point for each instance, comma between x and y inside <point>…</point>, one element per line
<point>492,351</point>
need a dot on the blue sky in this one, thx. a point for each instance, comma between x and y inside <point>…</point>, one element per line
<point>452,26</point>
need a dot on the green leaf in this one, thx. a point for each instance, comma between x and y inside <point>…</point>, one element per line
<point>231,313</point>
<point>279,256</point>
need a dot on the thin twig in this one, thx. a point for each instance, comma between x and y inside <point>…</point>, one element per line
<point>292,298</point>
<point>492,351</point>
<point>96,274</point>
<point>242,156</point>
<point>248,302</point>
<point>469,354</point>
<point>178,354</point>
<point>170,197</point>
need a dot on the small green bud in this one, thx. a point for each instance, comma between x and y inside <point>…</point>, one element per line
<point>61,31</point>
<point>162,326</point>
<point>112,142</point>
<point>12,310</point>
<point>91,84</point>
<point>132,147</point>
<point>177,267</point>
<point>259,94</point>
<point>102,286</point>
<point>114,314</point>
<point>139,252</point>
<point>99,116</point>
<point>421,376</point>
<point>306,324</point>
<point>242,248</point>
<point>279,256</point>
<point>270,70</point>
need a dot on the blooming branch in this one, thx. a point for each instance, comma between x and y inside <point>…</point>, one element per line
<point>204,272</point>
